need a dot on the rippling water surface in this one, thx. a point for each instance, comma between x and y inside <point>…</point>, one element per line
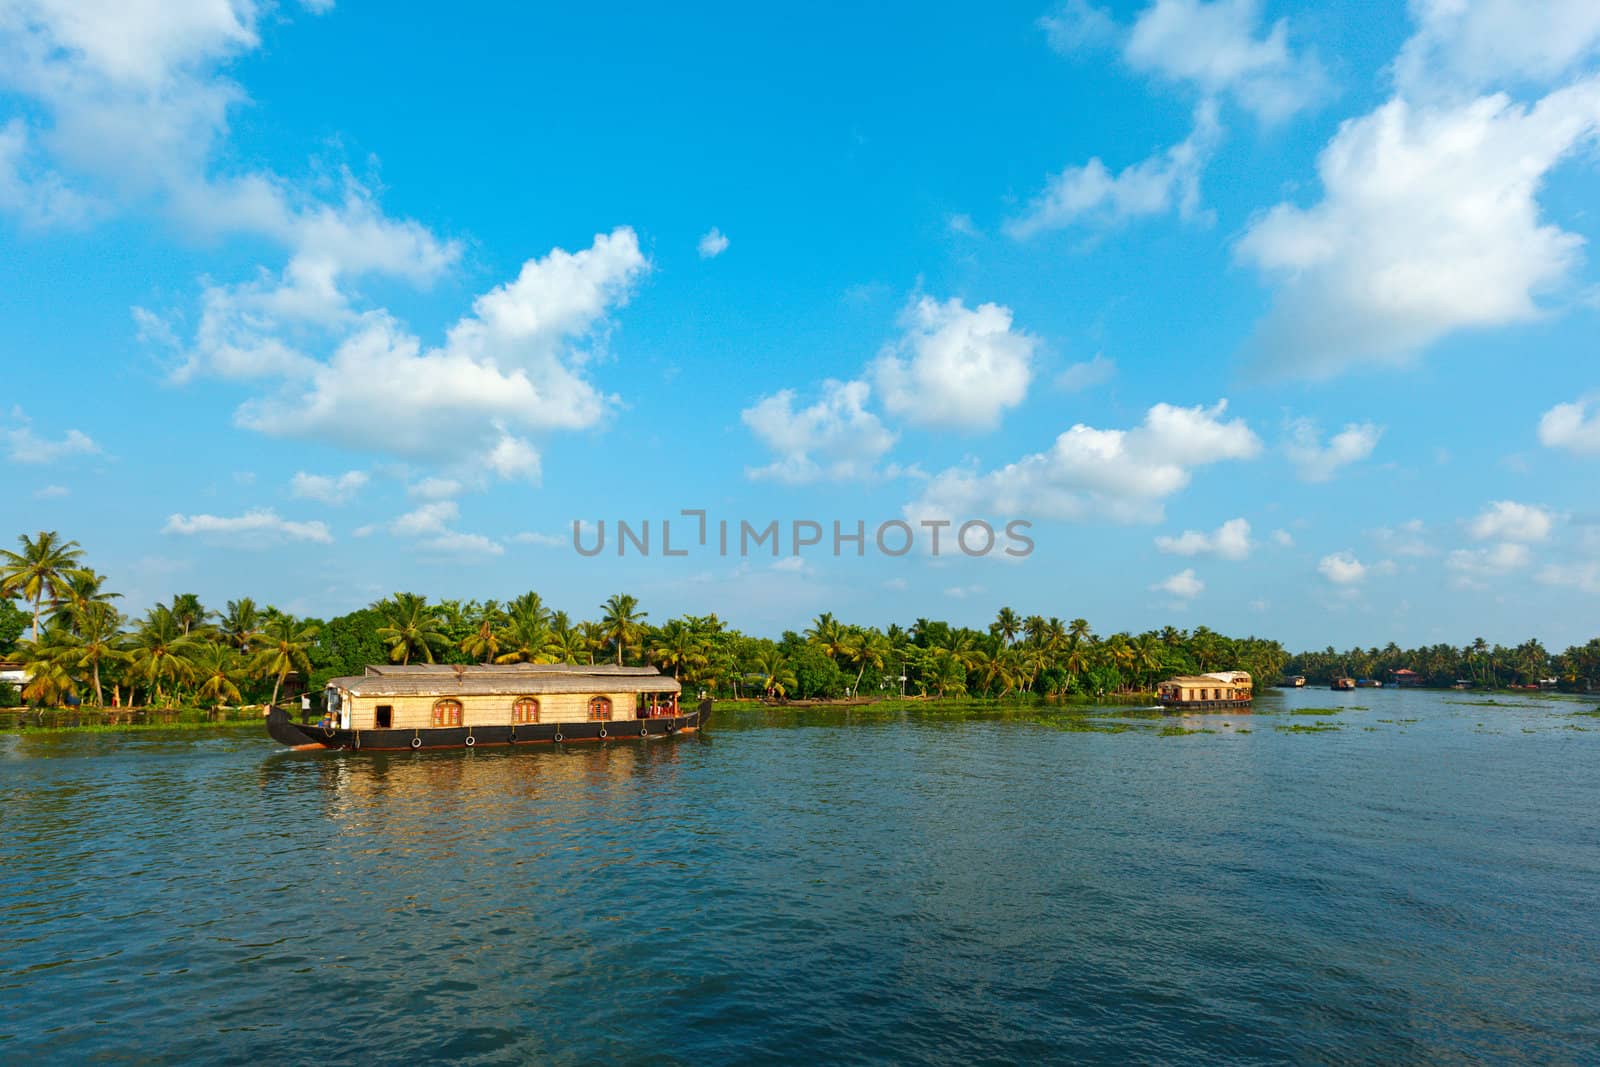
<point>1418,885</point>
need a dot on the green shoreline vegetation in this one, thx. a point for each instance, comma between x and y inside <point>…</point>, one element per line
<point>183,665</point>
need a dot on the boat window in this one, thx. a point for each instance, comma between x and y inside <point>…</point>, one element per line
<point>599,708</point>
<point>385,716</point>
<point>447,713</point>
<point>526,709</point>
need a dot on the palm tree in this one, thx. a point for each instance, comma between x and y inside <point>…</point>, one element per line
<point>827,634</point>
<point>483,644</point>
<point>572,647</point>
<point>529,639</point>
<point>39,570</point>
<point>97,639</point>
<point>867,648</point>
<point>1007,624</point>
<point>240,625</point>
<point>49,672</point>
<point>777,677</point>
<point>621,622</point>
<point>218,673</point>
<point>677,646</point>
<point>79,590</point>
<point>285,648</point>
<point>159,651</point>
<point>412,630</point>
<point>189,612</point>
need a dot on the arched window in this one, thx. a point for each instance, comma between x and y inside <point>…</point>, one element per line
<point>599,708</point>
<point>447,712</point>
<point>526,709</point>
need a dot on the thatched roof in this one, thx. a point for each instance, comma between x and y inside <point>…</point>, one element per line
<point>513,668</point>
<point>513,680</point>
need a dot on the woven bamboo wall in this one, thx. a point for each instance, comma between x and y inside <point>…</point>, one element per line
<point>416,712</point>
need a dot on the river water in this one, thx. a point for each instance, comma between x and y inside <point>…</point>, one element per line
<point>1416,881</point>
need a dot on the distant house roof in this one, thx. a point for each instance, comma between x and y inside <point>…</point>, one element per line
<point>1405,672</point>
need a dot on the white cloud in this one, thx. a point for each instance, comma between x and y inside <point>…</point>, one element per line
<point>1473,567</point>
<point>514,362</point>
<point>834,439</point>
<point>1464,47</point>
<point>1316,462</point>
<point>255,528</point>
<point>1214,47</point>
<point>51,492</point>
<point>1507,520</point>
<point>1570,426</point>
<point>964,592</point>
<point>462,545</point>
<point>23,445</point>
<point>1231,540</point>
<point>35,194</point>
<point>1342,568</point>
<point>1153,186</point>
<point>434,488</point>
<point>1077,25</point>
<point>1087,375</point>
<point>430,518</point>
<point>330,489</point>
<point>1120,475</point>
<point>1283,538</point>
<point>712,243</point>
<point>1184,584</point>
<point>955,367</point>
<point>1406,539</point>
<point>1585,577</point>
<point>1428,224</point>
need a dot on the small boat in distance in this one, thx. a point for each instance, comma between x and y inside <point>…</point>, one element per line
<point>1343,683</point>
<point>1220,689</point>
<point>419,706</point>
<point>1293,681</point>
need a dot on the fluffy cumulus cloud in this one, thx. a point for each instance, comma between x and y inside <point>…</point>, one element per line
<point>1183,585</point>
<point>1464,47</point>
<point>1343,568</point>
<point>257,528</point>
<point>1584,577</point>
<point>712,243</point>
<point>1216,47</point>
<point>1571,427</point>
<point>1409,538</point>
<point>1472,568</point>
<point>1507,520</point>
<point>432,527</point>
<point>955,367</point>
<point>1428,224</point>
<point>1220,47</point>
<point>515,364</point>
<point>1092,193</point>
<point>1231,540</point>
<point>835,438</point>
<point>24,444</point>
<point>130,112</point>
<point>1316,461</point>
<point>1090,473</point>
<point>328,488</point>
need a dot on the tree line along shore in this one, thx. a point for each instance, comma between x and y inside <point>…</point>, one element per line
<point>60,623</point>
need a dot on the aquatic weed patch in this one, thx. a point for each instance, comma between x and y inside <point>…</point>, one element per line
<point>1308,727</point>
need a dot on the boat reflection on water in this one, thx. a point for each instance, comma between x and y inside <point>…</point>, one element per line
<point>429,802</point>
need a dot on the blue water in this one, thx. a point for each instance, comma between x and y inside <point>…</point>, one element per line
<point>931,887</point>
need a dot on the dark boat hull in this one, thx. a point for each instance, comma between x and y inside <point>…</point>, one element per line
<point>310,736</point>
<point>1203,705</point>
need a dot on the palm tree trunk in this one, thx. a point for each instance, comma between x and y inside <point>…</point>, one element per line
<point>277,680</point>
<point>36,616</point>
<point>99,695</point>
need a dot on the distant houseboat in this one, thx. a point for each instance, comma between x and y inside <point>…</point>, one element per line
<point>1405,677</point>
<point>1293,681</point>
<point>1223,689</point>
<point>1368,683</point>
<point>1343,683</point>
<point>442,706</point>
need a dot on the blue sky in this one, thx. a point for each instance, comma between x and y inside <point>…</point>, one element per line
<point>1276,318</point>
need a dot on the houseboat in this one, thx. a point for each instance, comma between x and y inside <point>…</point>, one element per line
<point>431,706</point>
<point>1222,689</point>
<point>1343,683</point>
<point>1293,681</point>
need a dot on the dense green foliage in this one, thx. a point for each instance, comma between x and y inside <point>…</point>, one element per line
<point>184,654</point>
<point>1479,663</point>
